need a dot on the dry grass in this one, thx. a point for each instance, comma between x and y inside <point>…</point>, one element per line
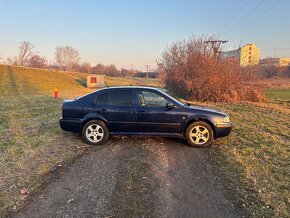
<point>32,143</point>
<point>255,157</point>
<point>127,81</point>
<point>282,82</point>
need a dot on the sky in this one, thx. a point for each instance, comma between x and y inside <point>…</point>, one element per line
<point>134,33</point>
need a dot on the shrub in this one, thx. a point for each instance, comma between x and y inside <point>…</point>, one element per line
<point>190,69</point>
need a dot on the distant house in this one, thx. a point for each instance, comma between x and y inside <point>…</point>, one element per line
<point>96,81</point>
<point>247,55</point>
<point>144,74</point>
<point>279,62</point>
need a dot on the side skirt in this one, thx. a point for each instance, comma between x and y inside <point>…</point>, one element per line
<point>157,134</point>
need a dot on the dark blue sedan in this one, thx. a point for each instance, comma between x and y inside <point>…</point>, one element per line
<point>141,111</point>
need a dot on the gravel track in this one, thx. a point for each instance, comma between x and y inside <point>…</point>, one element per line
<point>136,177</point>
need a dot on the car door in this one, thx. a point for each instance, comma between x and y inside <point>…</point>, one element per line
<point>120,111</point>
<point>153,115</point>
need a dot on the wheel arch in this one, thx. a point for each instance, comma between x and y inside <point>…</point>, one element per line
<point>94,117</point>
<point>195,119</point>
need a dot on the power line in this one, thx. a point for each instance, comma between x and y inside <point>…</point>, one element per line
<point>257,18</point>
<point>274,49</point>
<point>234,16</point>
<point>243,18</point>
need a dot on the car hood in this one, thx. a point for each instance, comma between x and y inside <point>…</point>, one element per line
<point>201,108</point>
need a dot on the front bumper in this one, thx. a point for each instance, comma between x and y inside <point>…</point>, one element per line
<point>223,129</point>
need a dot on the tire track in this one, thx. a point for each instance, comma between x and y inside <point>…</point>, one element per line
<point>136,177</point>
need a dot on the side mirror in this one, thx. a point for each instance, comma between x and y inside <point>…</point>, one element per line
<point>170,105</point>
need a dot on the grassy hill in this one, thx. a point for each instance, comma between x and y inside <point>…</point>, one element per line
<point>31,142</point>
<point>255,158</point>
<point>27,81</point>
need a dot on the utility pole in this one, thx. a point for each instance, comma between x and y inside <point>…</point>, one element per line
<point>147,66</point>
<point>131,73</point>
<point>216,46</point>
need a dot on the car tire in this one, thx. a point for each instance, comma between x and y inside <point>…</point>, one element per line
<point>199,134</point>
<point>95,132</point>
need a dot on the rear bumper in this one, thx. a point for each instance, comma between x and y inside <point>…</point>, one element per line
<point>71,125</point>
<point>223,129</point>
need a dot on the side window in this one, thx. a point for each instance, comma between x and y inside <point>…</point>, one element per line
<point>151,99</point>
<point>121,97</point>
<point>103,98</point>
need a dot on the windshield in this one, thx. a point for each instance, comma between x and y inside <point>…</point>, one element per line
<point>171,98</point>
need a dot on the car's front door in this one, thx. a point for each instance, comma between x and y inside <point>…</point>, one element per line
<point>153,115</point>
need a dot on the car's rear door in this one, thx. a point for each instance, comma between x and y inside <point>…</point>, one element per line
<point>121,111</point>
<point>153,115</point>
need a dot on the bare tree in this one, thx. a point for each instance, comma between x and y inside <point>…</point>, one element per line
<point>85,67</point>
<point>12,61</point>
<point>99,69</point>
<point>111,70</point>
<point>25,52</point>
<point>37,62</point>
<point>67,58</point>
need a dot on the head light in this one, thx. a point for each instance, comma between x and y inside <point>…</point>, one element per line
<point>226,120</point>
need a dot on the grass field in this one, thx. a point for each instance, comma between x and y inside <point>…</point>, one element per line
<point>31,142</point>
<point>256,156</point>
<point>254,159</point>
<point>280,94</point>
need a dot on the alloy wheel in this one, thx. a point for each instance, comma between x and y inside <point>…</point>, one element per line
<point>199,135</point>
<point>94,133</point>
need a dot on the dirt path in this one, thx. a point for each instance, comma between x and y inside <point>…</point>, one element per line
<point>136,177</point>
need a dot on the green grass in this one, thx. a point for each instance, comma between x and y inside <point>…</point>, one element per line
<point>280,94</point>
<point>260,144</point>
<point>255,157</point>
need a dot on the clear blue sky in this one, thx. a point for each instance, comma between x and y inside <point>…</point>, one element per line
<point>135,32</point>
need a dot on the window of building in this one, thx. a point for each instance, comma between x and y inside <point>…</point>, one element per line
<point>93,79</point>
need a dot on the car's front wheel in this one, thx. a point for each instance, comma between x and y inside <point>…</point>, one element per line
<point>199,134</point>
<point>95,132</point>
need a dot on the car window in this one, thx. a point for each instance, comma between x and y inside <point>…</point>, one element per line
<point>103,98</point>
<point>121,97</point>
<point>151,99</point>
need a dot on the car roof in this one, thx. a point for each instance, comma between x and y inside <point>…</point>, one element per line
<point>132,87</point>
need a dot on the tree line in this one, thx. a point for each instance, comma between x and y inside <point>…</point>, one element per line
<point>66,59</point>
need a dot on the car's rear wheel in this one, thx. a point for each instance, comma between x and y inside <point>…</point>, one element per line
<point>95,132</point>
<point>199,134</point>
